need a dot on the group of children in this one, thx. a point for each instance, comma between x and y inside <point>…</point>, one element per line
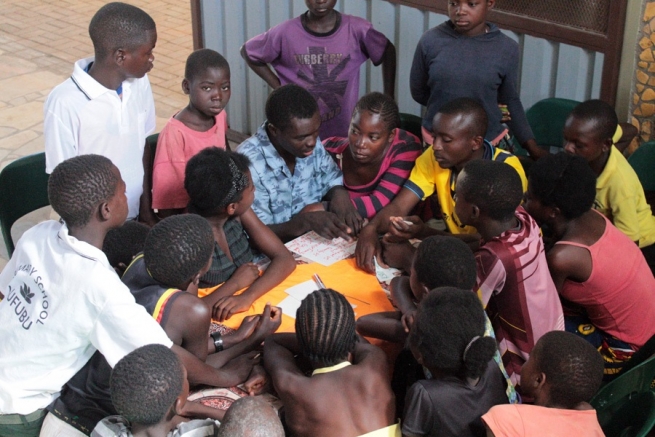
<point>483,308</point>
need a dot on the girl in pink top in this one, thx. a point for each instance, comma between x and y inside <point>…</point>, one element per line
<point>606,286</point>
<point>377,157</point>
<point>201,124</point>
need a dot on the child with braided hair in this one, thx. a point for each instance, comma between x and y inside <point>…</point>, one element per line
<point>221,190</point>
<point>348,392</point>
<point>447,338</point>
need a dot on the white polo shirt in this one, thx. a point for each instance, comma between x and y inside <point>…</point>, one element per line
<point>63,301</point>
<point>81,117</point>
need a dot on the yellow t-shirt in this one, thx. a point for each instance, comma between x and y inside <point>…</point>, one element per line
<point>620,197</point>
<point>428,177</point>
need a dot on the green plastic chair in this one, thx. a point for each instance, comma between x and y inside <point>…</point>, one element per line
<point>411,123</point>
<point>642,161</point>
<point>626,406</point>
<point>547,118</point>
<point>23,189</point>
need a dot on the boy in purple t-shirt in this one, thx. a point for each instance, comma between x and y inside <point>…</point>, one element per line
<point>315,51</point>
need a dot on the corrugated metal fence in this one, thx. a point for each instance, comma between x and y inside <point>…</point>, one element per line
<point>548,69</point>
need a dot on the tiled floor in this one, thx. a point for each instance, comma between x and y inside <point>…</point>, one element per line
<point>39,42</point>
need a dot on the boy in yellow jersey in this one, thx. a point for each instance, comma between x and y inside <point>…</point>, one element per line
<point>459,128</point>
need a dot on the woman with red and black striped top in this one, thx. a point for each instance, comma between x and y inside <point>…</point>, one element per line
<point>377,157</point>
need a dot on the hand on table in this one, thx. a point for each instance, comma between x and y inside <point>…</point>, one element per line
<point>247,327</point>
<point>327,225</point>
<point>342,206</point>
<point>398,255</point>
<point>228,306</point>
<point>368,246</point>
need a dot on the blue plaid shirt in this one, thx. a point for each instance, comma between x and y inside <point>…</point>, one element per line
<point>279,195</point>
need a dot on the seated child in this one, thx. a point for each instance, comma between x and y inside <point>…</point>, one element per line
<point>63,301</point>
<point>619,195</point>
<point>459,129</point>
<point>221,190</point>
<point>176,252</point>
<point>201,124</point>
<point>448,339</point>
<point>562,375</point>
<point>252,417</point>
<point>377,156</point>
<point>607,289</point>
<point>122,244</point>
<point>149,389</point>
<point>513,280</point>
<point>348,392</point>
<point>293,173</point>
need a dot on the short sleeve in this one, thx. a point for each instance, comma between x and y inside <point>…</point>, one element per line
<point>266,47</point>
<point>419,411</point>
<point>421,179</point>
<point>374,44</point>
<point>262,203</point>
<point>151,119</point>
<point>514,162</point>
<point>60,122</point>
<point>168,170</point>
<point>491,274</point>
<point>504,421</point>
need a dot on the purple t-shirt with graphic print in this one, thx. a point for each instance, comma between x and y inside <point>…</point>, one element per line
<point>326,64</point>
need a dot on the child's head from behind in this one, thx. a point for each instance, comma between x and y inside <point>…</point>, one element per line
<point>448,334</point>
<point>122,244</point>
<point>149,385</point>
<point>560,184</point>
<point>325,327</point>
<point>86,188</point>
<point>178,250</point>
<point>293,120</point>
<point>207,82</point>
<point>563,371</point>
<point>459,129</point>
<point>487,190</point>
<point>251,416</point>
<point>589,129</point>
<point>218,182</point>
<point>372,127</point>
<point>442,261</point>
<point>125,33</point>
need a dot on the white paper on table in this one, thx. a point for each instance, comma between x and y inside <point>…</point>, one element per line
<point>302,290</point>
<point>321,250</point>
<point>385,275</point>
<point>289,306</point>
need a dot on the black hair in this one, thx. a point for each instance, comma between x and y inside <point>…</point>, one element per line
<point>202,59</point>
<point>287,102</point>
<point>477,123</point>
<point>382,104</point>
<point>214,178</point>
<point>573,367</point>
<point>493,186</point>
<point>177,248</point>
<point>79,185</point>
<point>122,244</point>
<point>325,327</point>
<point>601,113</point>
<point>565,181</point>
<point>145,384</point>
<point>444,261</point>
<point>448,332</point>
<point>119,25</point>
<point>251,416</point>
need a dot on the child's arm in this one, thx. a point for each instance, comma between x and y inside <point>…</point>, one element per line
<point>279,362</point>
<point>197,410</point>
<point>282,264</point>
<point>146,214</point>
<point>385,326</point>
<point>389,69</point>
<point>261,70</point>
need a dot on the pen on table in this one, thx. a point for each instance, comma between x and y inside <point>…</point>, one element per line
<point>320,284</point>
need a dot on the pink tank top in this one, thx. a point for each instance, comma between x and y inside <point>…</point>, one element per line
<point>619,295</point>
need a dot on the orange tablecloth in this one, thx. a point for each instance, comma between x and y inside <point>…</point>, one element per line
<point>344,276</point>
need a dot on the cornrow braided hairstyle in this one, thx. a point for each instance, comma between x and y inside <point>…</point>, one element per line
<point>214,178</point>
<point>382,104</point>
<point>145,384</point>
<point>177,248</point>
<point>325,327</point>
<point>78,185</point>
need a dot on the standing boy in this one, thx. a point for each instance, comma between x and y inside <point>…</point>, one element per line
<point>348,392</point>
<point>459,128</point>
<point>322,51</point>
<point>619,195</point>
<point>513,279</point>
<point>106,106</point>
<point>63,301</point>
<point>292,171</point>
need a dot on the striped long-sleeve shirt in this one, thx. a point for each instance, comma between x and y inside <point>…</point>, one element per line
<point>394,171</point>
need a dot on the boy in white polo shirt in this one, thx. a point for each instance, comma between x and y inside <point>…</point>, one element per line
<point>62,299</point>
<point>106,106</point>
